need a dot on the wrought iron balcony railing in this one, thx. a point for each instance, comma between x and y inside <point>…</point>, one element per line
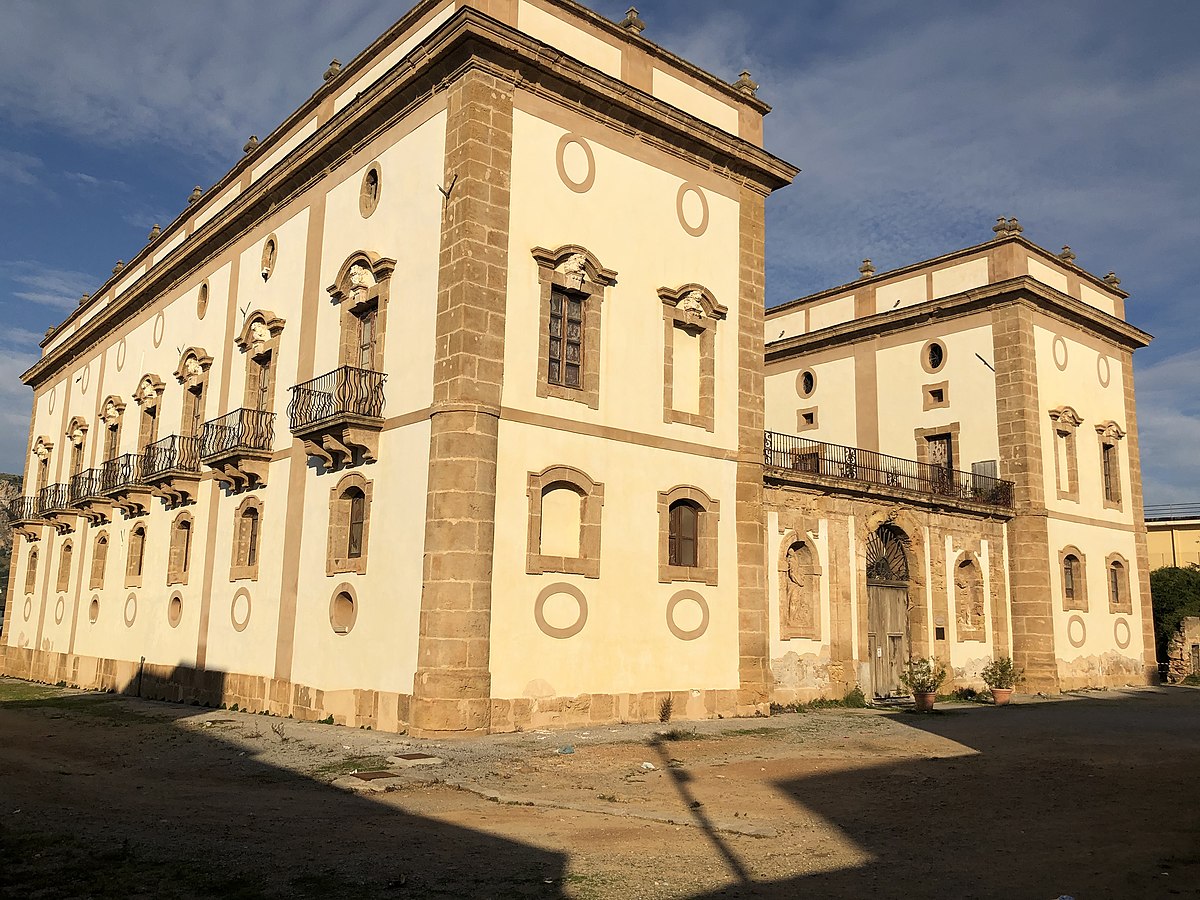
<point>54,498</point>
<point>797,454</point>
<point>177,453</point>
<point>121,472</point>
<point>86,485</point>
<point>344,391</point>
<point>22,509</point>
<point>240,430</point>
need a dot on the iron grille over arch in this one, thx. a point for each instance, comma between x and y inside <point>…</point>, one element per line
<point>887,562</point>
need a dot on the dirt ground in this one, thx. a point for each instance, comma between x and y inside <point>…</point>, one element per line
<point>1094,795</point>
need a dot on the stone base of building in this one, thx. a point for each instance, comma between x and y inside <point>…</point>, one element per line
<point>1108,670</point>
<point>379,710</point>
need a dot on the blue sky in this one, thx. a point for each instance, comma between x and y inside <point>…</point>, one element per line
<point>915,124</point>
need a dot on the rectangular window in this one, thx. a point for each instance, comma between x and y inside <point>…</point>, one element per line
<point>1112,485</point>
<point>112,441</point>
<point>566,339</point>
<point>683,528</point>
<point>366,338</point>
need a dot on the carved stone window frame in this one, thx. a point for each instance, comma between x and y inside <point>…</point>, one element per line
<point>66,555</point>
<point>355,301</point>
<point>43,450</point>
<point>192,376</point>
<point>76,436</point>
<point>1124,602</point>
<point>679,311</point>
<point>922,436</point>
<point>179,557</point>
<point>811,573</point>
<point>148,397</point>
<point>1110,434</point>
<point>929,401</point>
<point>31,565</point>
<point>112,414</point>
<point>1065,421</point>
<point>706,537</point>
<point>240,569</point>
<point>257,347</point>
<point>591,503</point>
<point>133,579</point>
<point>99,563</point>
<point>270,256</point>
<point>577,271</point>
<point>336,560</point>
<point>1080,600</point>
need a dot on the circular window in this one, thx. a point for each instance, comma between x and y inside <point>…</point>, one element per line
<point>368,192</point>
<point>269,254</point>
<point>239,610</point>
<point>94,610</point>
<point>202,301</point>
<point>933,356</point>
<point>175,609</point>
<point>691,206</point>
<point>806,383</point>
<point>687,615</point>
<point>343,611</point>
<point>553,612</point>
<point>576,163</point>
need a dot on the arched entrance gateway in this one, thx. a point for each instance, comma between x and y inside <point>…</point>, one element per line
<point>887,608</point>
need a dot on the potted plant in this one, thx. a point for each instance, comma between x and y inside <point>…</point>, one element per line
<point>1001,676</point>
<point>923,677</point>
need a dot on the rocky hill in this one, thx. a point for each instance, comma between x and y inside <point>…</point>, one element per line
<point>10,487</point>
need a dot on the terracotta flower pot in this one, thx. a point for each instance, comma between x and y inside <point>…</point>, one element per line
<point>924,700</point>
<point>1001,696</point>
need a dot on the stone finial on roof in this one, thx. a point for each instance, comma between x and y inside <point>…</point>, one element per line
<point>1112,280</point>
<point>866,269</point>
<point>633,22</point>
<point>250,144</point>
<point>1067,255</point>
<point>84,298</point>
<point>746,85</point>
<point>197,193</point>
<point>154,233</point>
<point>119,266</point>
<point>49,331</point>
<point>335,66</point>
<point>1007,227</point>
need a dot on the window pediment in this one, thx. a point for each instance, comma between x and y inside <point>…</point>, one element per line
<point>76,431</point>
<point>260,332</point>
<point>1110,429</point>
<point>692,306</point>
<point>193,366</point>
<point>574,266</point>
<point>149,390</point>
<point>1066,417</point>
<point>111,411</point>
<point>363,277</point>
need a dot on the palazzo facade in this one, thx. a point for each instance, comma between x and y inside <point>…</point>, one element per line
<point>454,407</point>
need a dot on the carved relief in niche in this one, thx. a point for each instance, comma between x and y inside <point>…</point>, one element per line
<point>968,597</point>
<point>799,589</point>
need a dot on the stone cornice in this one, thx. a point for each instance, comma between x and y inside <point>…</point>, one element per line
<point>469,39</point>
<point>912,269</point>
<point>1022,289</point>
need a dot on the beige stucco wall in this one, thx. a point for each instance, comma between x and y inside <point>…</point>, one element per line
<point>625,645</point>
<point>1173,543</point>
<point>616,222</point>
<point>564,34</point>
<point>833,397</point>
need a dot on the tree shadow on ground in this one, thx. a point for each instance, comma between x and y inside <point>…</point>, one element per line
<point>155,809</point>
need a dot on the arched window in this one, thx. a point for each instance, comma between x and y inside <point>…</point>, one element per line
<point>31,571</point>
<point>684,534</point>
<point>247,532</point>
<point>1074,579</point>
<point>687,544</point>
<point>137,554</point>
<point>181,550</point>
<point>99,559</point>
<point>64,567</point>
<point>349,525</point>
<point>564,522</point>
<point>1119,599</point>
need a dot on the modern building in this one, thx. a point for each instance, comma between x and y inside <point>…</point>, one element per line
<point>454,407</point>
<point>1173,534</point>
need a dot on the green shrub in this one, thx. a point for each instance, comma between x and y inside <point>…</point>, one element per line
<point>1001,673</point>
<point>923,676</point>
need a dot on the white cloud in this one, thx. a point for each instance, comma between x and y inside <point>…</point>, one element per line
<point>47,285</point>
<point>20,168</point>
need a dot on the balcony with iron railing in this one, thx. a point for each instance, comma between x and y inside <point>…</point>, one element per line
<point>237,446</point>
<point>23,510</point>
<point>86,490</point>
<point>869,471</point>
<point>172,467</point>
<point>121,481</point>
<point>339,415</point>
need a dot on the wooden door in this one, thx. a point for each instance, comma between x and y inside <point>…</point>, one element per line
<point>887,636</point>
